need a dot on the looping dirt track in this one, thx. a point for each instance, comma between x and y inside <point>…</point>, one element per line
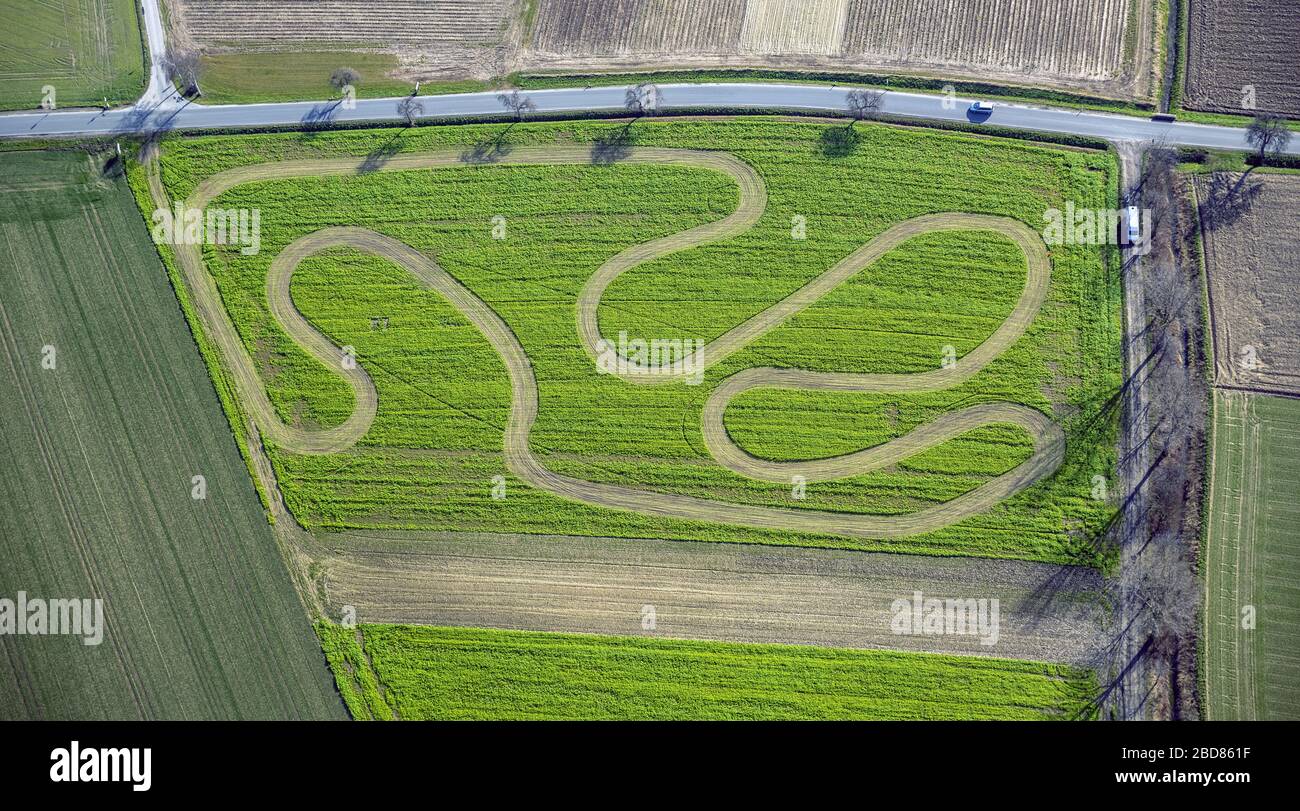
<point>1049,440</point>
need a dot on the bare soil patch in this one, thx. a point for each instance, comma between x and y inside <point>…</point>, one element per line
<point>1254,289</point>
<point>434,37</point>
<point>1236,46</point>
<point>1088,45</point>
<point>723,592</point>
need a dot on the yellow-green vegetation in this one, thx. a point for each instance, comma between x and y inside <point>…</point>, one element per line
<point>430,456</point>
<point>424,673</point>
<point>108,418</point>
<point>86,50</point>
<point>1252,560</point>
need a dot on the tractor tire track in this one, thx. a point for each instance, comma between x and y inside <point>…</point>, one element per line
<point>1049,440</point>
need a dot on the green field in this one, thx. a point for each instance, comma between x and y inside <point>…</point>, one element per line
<point>1252,558</point>
<point>435,445</point>
<point>424,673</point>
<point>244,78</point>
<point>87,50</point>
<point>201,620</point>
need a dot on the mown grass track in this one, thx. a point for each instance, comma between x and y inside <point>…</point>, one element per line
<point>1048,438</point>
<point>439,432</point>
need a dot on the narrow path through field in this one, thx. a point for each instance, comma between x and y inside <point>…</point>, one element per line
<point>1049,441</point>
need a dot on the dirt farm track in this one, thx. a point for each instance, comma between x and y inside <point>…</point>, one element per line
<point>1048,437</point>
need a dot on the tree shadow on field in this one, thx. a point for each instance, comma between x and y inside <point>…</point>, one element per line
<point>613,146</point>
<point>489,148</point>
<point>113,167</point>
<point>377,157</point>
<point>839,142</point>
<point>1225,200</point>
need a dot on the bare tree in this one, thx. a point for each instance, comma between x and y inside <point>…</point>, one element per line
<point>516,103</point>
<point>182,67</point>
<point>1166,593</point>
<point>1158,159</point>
<point>410,108</point>
<point>864,104</point>
<point>342,77</point>
<point>642,100</point>
<point>1268,133</point>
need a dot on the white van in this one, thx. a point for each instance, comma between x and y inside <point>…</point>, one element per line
<point>1134,225</point>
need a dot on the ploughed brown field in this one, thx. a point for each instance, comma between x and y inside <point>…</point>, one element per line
<point>1254,284</point>
<point>1080,44</point>
<point>1243,48</point>
<point>440,37</point>
<point>1100,47</point>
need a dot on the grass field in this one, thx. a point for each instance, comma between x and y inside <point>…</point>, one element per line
<point>420,672</point>
<point>87,50</point>
<point>276,76</point>
<point>282,50</point>
<point>430,456</point>
<point>100,452</point>
<point>1253,559</point>
<point>250,78</point>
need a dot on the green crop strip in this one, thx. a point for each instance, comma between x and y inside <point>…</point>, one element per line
<point>464,673</point>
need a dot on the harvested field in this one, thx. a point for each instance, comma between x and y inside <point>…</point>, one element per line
<point>1075,44</point>
<point>87,50</point>
<point>200,618</point>
<point>1080,45</point>
<point>721,592</point>
<point>793,26</point>
<point>378,23</point>
<point>1237,45</point>
<point>1252,560</point>
<point>415,673</point>
<point>638,27</point>
<point>1254,284</point>
<point>1066,39</point>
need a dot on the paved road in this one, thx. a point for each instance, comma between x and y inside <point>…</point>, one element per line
<point>151,114</point>
<point>159,109</point>
<point>159,88</point>
<point>718,591</point>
